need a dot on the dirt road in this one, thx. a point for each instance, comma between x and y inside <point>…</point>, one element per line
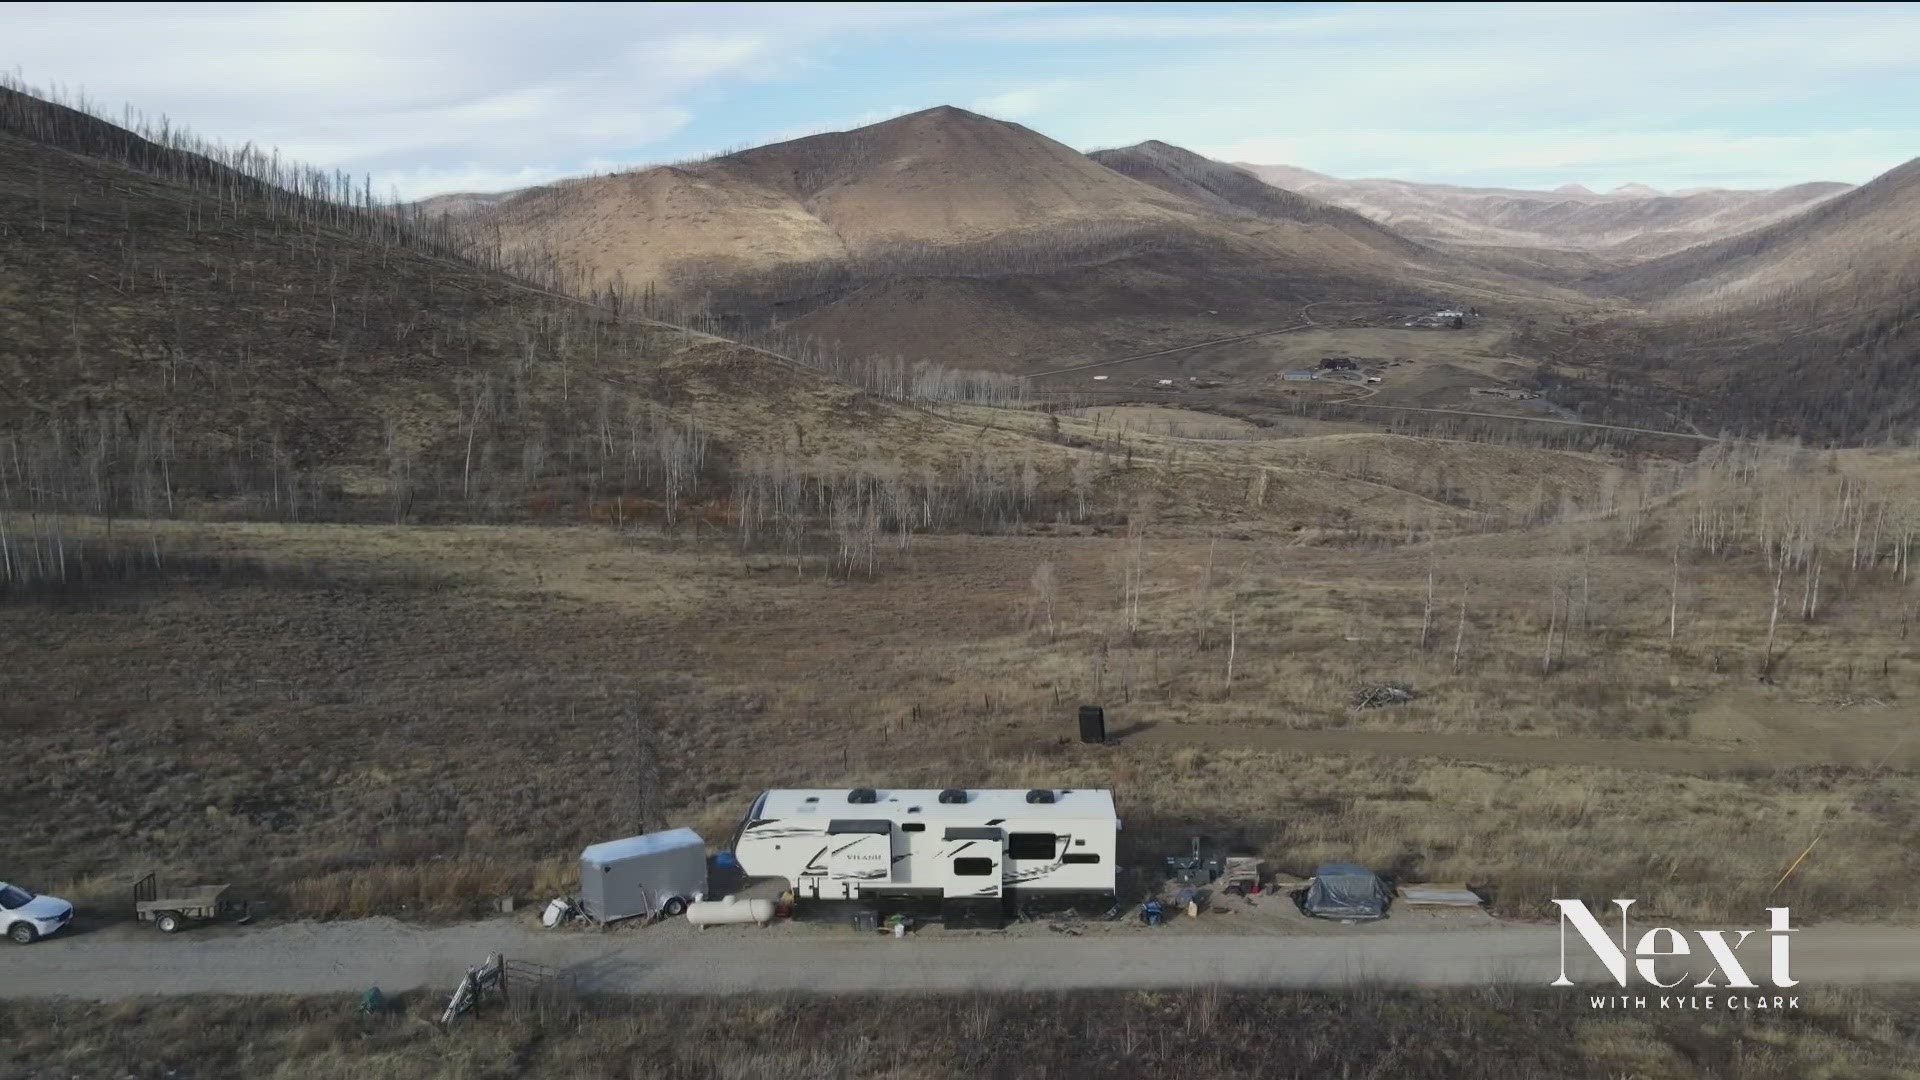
<point>351,956</point>
<point>1525,749</point>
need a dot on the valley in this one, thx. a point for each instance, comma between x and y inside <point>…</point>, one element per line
<point>378,557</point>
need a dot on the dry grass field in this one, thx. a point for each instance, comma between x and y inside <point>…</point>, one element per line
<point>412,719</point>
<point>1160,420</point>
<point>1493,1034</point>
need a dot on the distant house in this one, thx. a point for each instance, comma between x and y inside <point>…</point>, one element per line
<point>1298,376</point>
<point>1337,363</point>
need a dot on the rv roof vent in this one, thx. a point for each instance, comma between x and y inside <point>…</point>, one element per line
<point>1040,795</point>
<point>863,795</point>
<point>954,795</point>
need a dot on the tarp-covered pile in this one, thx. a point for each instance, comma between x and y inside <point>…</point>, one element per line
<point>1344,891</point>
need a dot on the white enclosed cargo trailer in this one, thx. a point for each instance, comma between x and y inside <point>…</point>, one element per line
<point>653,874</point>
<point>973,848</point>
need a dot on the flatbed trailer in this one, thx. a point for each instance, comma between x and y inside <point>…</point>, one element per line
<point>177,907</point>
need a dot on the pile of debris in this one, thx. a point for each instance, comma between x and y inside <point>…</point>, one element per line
<point>1375,695</point>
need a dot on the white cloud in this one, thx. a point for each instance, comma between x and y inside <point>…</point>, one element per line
<point>1021,102</point>
<point>1504,94</point>
<point>412,92</point>
<point>486,95</point>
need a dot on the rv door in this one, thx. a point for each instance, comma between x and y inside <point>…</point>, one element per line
<point>859,856</point>
<point>972,861</point>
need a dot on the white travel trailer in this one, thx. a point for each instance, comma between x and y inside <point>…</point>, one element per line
<point>978,850</point>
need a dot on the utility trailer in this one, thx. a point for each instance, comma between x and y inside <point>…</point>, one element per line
<point>979,851</point>
<point>170,912</point>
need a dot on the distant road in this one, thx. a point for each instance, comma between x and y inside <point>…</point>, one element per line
<point>342,957</point>
<point>1351,404</point>
<point>1174,396</point>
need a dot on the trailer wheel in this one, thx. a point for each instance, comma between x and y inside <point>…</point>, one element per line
<point>673,906</point>
<point>167,921</point>
<point>23,933</point>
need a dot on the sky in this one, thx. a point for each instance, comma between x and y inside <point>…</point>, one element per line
<point>427,98</point>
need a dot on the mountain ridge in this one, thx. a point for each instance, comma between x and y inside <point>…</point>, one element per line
<point>1631,223</point>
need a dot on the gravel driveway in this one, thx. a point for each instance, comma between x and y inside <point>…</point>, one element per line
<point>303,958</point>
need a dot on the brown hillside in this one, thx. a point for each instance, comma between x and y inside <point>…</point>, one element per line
<point>943,178</point>
<point>162,348</point>
<point>1810,325</point>
<point>1862,245</point>
<point>185,313</point>
<point>593,227</point>
<point>948,236</point>
<point>1233,190</point>
<point>1631,223</point>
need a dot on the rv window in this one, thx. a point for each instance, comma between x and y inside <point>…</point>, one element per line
<point>914,826</point>
<point>972,867</point>
<point>1080,857</point>
<point>1030,845</point>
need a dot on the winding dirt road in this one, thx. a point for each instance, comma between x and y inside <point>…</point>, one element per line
<point>306,958</point>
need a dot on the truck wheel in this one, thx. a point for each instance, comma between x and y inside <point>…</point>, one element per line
<point>24,933</point>
<point>673,906</point>
<point>167,921</point>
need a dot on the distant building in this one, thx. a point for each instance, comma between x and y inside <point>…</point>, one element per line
<point>1337,363</point>
<point>1298,376</point>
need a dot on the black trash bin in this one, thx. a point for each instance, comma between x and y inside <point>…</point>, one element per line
<point>1093,724</point>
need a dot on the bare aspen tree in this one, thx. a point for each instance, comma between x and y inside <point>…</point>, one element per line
<point>399,483</point>
<point>1133,575</point>
<point>1426,612</point>
<point>1773,618</point>
<point>1460,633</point>
<point>1233,646</point>
<point>1810,598</point>
<point>1082,479</point>
<point>473,428</point>
<point>643,770</point>
<point>1586,595</point>
<point>1673,599</point>
<point>1045,587</point>
<point>1553,623</point>
<point>1203,595</point>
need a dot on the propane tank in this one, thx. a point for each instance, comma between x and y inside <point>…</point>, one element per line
<point>732,910</point>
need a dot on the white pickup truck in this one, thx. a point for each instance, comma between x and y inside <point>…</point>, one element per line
<point>27,918</point>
